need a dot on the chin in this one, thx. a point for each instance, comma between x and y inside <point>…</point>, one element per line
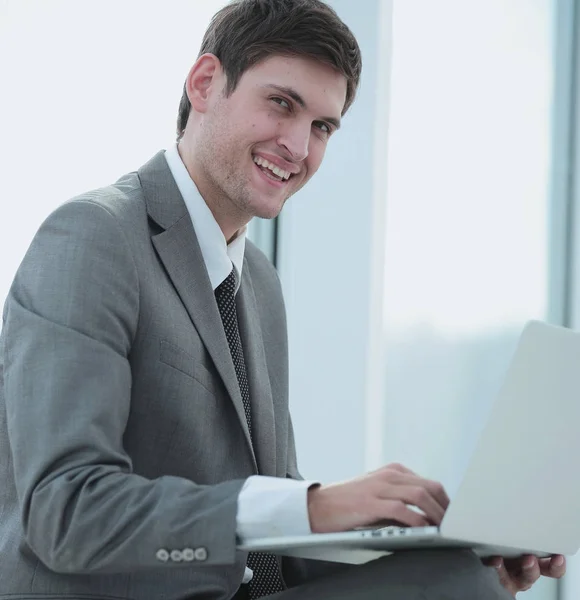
<point>267,211</point>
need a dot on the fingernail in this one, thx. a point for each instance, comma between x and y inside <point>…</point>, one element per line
<point>558,561</point>
<point>529,563</point>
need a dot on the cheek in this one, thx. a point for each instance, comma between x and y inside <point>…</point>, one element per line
<point>265,124</point>
<point>316,152</point>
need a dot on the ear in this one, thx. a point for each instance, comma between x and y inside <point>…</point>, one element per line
<point>203,79</point>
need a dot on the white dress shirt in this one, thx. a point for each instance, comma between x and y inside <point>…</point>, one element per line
<point>267,506</point>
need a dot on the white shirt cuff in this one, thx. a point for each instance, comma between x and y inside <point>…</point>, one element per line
<point>272,507</point>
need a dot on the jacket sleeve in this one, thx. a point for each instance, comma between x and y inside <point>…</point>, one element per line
<point>69,322</point>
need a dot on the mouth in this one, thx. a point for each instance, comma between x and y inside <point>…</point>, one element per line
<point>275,175</point>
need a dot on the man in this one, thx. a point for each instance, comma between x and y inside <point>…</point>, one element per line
<point>144,422</point>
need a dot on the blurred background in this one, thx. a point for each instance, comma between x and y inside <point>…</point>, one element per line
<point>443,218</point>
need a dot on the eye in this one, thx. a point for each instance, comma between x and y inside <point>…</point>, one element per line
<point>324,127</point>
<point>283,103</point>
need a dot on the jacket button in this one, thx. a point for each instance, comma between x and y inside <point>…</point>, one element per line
<point>188,555</point>
<point>162,555</point>
<point>200,554</point>
<point>176,556</point>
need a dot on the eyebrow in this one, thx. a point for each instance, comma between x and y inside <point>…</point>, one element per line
<point>292,93</point>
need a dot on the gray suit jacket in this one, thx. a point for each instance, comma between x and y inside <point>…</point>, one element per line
<point>122,430</point>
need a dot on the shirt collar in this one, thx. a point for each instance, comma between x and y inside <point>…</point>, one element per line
<point>217,255</point>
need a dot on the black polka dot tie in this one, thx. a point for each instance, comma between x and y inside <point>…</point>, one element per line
<point>267,578</point>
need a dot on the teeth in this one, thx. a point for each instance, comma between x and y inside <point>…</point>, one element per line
<point>262,162</point>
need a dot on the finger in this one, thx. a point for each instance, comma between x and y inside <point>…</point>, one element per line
<point>524,571</point>
<point>439,493</point>
<point>398,467</point>
<point>420,497</point>
<point>504,577</point>
<point>554,566</point>
<point>433,489</point>
<point>436,489</point>
<point>493,561</point>
<point>397,510</point>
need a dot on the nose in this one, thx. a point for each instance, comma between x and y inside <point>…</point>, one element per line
<point>294,138</point>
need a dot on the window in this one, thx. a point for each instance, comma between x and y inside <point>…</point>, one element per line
<point>468,204</point>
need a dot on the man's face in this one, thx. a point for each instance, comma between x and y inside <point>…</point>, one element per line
<point>261,144</point>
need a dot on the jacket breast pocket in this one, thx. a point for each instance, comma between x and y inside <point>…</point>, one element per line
<point>179,359</point>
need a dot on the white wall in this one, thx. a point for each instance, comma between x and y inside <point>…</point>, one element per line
<point>89,91</point>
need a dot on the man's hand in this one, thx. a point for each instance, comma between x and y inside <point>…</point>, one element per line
<point>382,495</point>
<point>519,574</point>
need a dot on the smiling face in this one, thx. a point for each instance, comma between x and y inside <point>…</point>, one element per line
<point>250,151</point>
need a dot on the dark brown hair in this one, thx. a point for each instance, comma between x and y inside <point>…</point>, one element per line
<point>245,32</point>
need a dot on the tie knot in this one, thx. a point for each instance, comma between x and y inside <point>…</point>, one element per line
<point>228,286</point>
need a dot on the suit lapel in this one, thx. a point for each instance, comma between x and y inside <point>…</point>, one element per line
<point>263,425</point>
<point>179,251</point>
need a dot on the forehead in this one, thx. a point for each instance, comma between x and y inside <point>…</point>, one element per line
<point>322,88</point>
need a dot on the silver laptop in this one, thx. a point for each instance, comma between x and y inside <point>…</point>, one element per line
<point>521,491</point>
